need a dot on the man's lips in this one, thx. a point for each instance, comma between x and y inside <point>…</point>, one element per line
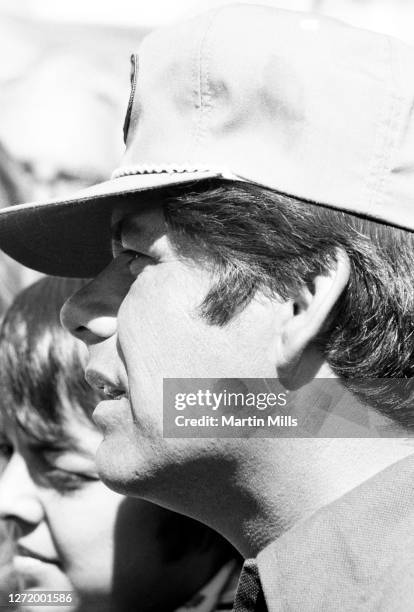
<point>106,387</point>
<point>107,409</point>
<point>22,551</point>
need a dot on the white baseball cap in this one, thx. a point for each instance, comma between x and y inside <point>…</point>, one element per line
<point>302,104</point>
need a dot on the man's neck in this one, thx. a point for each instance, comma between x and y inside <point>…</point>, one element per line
<point>284,481</point>
<point>307,480</point>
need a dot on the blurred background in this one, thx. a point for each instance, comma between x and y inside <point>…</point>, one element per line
<point>64,86</point>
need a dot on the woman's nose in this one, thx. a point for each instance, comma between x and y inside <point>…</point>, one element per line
<point>19,501</point>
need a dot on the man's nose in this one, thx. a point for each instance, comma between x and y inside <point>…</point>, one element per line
<point>19,501</point>
<point>86,317</point>
<point>91,313</point>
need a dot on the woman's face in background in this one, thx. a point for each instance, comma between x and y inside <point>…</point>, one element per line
<point>72,532</point>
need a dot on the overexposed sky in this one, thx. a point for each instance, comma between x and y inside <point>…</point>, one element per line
<point>125,12</point>
<point>394,17</point>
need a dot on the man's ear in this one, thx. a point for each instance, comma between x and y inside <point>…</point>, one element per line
<point>308,312</point>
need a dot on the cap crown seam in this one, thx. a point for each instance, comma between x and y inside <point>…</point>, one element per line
<point>383,144</point>
<point>204,91</point>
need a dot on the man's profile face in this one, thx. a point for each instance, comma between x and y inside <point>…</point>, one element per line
<point>140,320</point>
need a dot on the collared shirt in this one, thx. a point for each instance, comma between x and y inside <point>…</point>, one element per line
<point>355,554</point>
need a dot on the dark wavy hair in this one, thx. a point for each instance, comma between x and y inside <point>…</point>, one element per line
<point>257,239</point>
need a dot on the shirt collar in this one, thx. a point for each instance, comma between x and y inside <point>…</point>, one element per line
<point>342,555</point>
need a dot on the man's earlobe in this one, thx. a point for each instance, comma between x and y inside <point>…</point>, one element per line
<point>309,311</point>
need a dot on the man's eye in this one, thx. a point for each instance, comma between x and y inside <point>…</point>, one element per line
<point>138,262</point>
<point>133,255</point>
<point>128,254</point>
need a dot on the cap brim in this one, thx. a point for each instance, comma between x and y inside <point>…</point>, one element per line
<point>71,237</point>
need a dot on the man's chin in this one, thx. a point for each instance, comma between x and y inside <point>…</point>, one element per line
<point>119,469</point>
<point>127,470</point>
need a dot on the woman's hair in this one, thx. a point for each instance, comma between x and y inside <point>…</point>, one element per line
<point>41,364</point>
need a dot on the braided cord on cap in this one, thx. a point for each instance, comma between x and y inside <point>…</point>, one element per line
<point>159,169</point>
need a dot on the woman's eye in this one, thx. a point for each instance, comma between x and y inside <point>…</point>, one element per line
<point>63,472</point>
<point>65,482</point>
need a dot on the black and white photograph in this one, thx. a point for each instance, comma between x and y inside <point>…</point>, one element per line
<point>207,306</point>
